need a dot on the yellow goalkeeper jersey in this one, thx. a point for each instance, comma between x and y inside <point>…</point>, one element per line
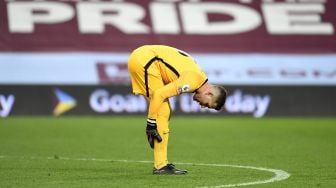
<point>177,70</point>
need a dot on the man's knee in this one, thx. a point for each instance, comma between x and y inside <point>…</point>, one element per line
<point>165,111</point>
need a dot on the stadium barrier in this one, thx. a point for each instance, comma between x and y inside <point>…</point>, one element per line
<point>256,101</point>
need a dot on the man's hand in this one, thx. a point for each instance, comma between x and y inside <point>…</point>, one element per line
<point>152,132</point>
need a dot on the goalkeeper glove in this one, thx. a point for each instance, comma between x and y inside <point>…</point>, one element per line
<point>152,132</point>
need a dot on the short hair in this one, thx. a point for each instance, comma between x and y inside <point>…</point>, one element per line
<point>220,96</point>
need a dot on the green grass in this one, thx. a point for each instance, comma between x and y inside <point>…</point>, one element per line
<point>44,152</point>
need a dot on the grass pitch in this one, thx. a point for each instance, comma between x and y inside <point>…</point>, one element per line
<point>59,152</point>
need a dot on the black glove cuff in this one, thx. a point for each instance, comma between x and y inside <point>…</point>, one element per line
<point>151,123</point>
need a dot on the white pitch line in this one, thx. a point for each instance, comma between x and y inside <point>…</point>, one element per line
<point>279,175</point>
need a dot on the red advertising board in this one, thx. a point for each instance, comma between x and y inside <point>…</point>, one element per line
<point>266,26</point>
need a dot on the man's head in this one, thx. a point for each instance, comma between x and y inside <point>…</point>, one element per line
<point>211,96</point>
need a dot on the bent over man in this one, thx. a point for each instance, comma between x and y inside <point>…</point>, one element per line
<point>159,72</point>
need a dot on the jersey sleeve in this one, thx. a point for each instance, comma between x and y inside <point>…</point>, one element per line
<point>186,83</point>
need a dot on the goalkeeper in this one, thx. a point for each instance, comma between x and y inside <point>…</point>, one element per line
<point>159,72</point>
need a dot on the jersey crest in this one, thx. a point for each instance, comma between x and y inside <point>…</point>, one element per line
<point>183,89</point>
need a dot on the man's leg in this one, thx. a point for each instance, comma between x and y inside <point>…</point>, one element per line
<point>161,164</point>
<point>160,149</point>
<point>162,121</point>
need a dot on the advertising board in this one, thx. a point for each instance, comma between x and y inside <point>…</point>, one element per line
<point>111,68</point>
<point>257,101</point>
<point>271,26</point>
